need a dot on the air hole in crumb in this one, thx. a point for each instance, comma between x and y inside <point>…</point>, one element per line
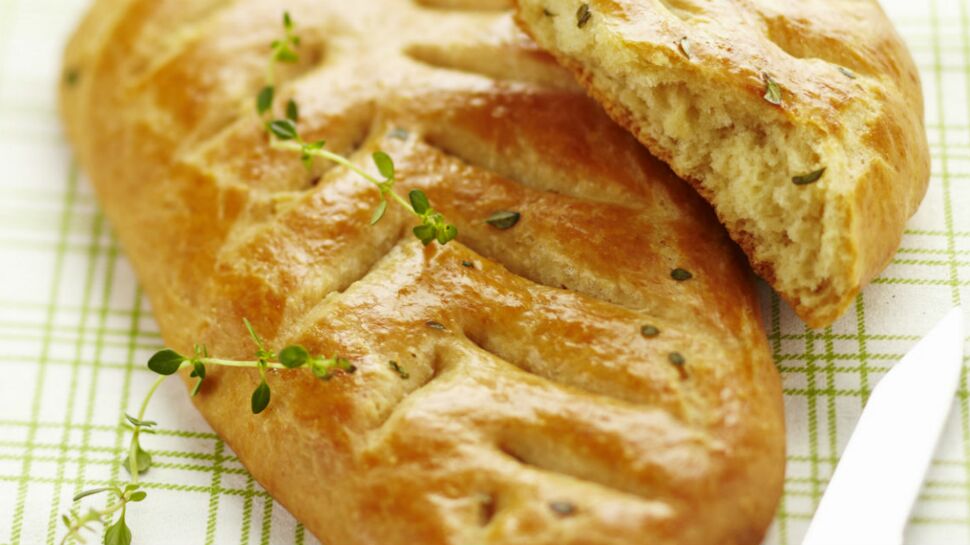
<point>486,508</point>
<point>313,53</point>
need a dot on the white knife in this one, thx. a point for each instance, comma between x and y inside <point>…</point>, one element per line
<point>878,478</point>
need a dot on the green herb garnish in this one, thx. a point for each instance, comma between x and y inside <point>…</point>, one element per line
<point>260,398</point>
<point>137,462</point>
<point>684,45</point>
<point>681,275</point>
<point>285,129</point>
<point>285,135</point>
<point>292,111</point>
<point>583,15</point>
<point>399,370</point>
<point>117,533</point>
<point>677,360</point>
<point>284,50</point>
<point>198,368</point>
<point>847,73</point>
<point>809,178</point>
<point>504,219</point>
<point>166,363</point>
<point>467,263</point>
<point>649,331</point>
<point>264,99</point>
<point>772,90</point>
<point>72,76</point>
<point>435,325</point>
<point>562,508</point>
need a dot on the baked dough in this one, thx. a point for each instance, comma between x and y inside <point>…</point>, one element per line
<point>750,100</point>
<point>537,413</point>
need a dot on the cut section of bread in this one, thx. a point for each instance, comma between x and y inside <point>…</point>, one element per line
<point>801,122</point>
<point>561,381</point>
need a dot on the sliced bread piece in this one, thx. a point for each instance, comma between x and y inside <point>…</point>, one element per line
<point>802,122</point>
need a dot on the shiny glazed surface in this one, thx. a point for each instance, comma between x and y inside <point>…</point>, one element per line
<point>540,392</point>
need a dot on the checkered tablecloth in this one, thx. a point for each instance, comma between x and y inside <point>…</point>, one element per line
<point>75,329</point>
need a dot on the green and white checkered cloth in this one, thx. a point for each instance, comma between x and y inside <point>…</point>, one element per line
<point>75,330</point>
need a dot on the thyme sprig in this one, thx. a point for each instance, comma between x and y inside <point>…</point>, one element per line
<point>167,362</point>
<point>282,50</point>
<point>772,90</point>
<point>285,135</point>
<point>432,224</point>
<point>117,533</point>
<point>137,462</point>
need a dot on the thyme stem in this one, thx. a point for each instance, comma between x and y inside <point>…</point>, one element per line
<point>299,146</point>
<point>134,445</point>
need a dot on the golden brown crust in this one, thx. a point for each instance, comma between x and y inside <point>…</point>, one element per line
<point>849,89</point>
<point>541,388</point>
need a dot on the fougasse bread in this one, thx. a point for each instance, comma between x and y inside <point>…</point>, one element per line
<point>800,121</point>
<point>596,373</point>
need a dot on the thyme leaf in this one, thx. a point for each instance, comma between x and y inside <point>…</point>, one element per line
<point>684,45</point>
<point>264,100</point>
<point>504,219</point>
<point>583,15</point>
<point>399,370</point>
<point>166,362</point>
<point>810,178</point>
<point>285,135</point>
<point>681,275</point>
<point>562,508</point>
<point>260,398</point>
<point>772,90</point>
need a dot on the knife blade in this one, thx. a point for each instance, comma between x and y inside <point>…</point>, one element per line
<point>878,478</point>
